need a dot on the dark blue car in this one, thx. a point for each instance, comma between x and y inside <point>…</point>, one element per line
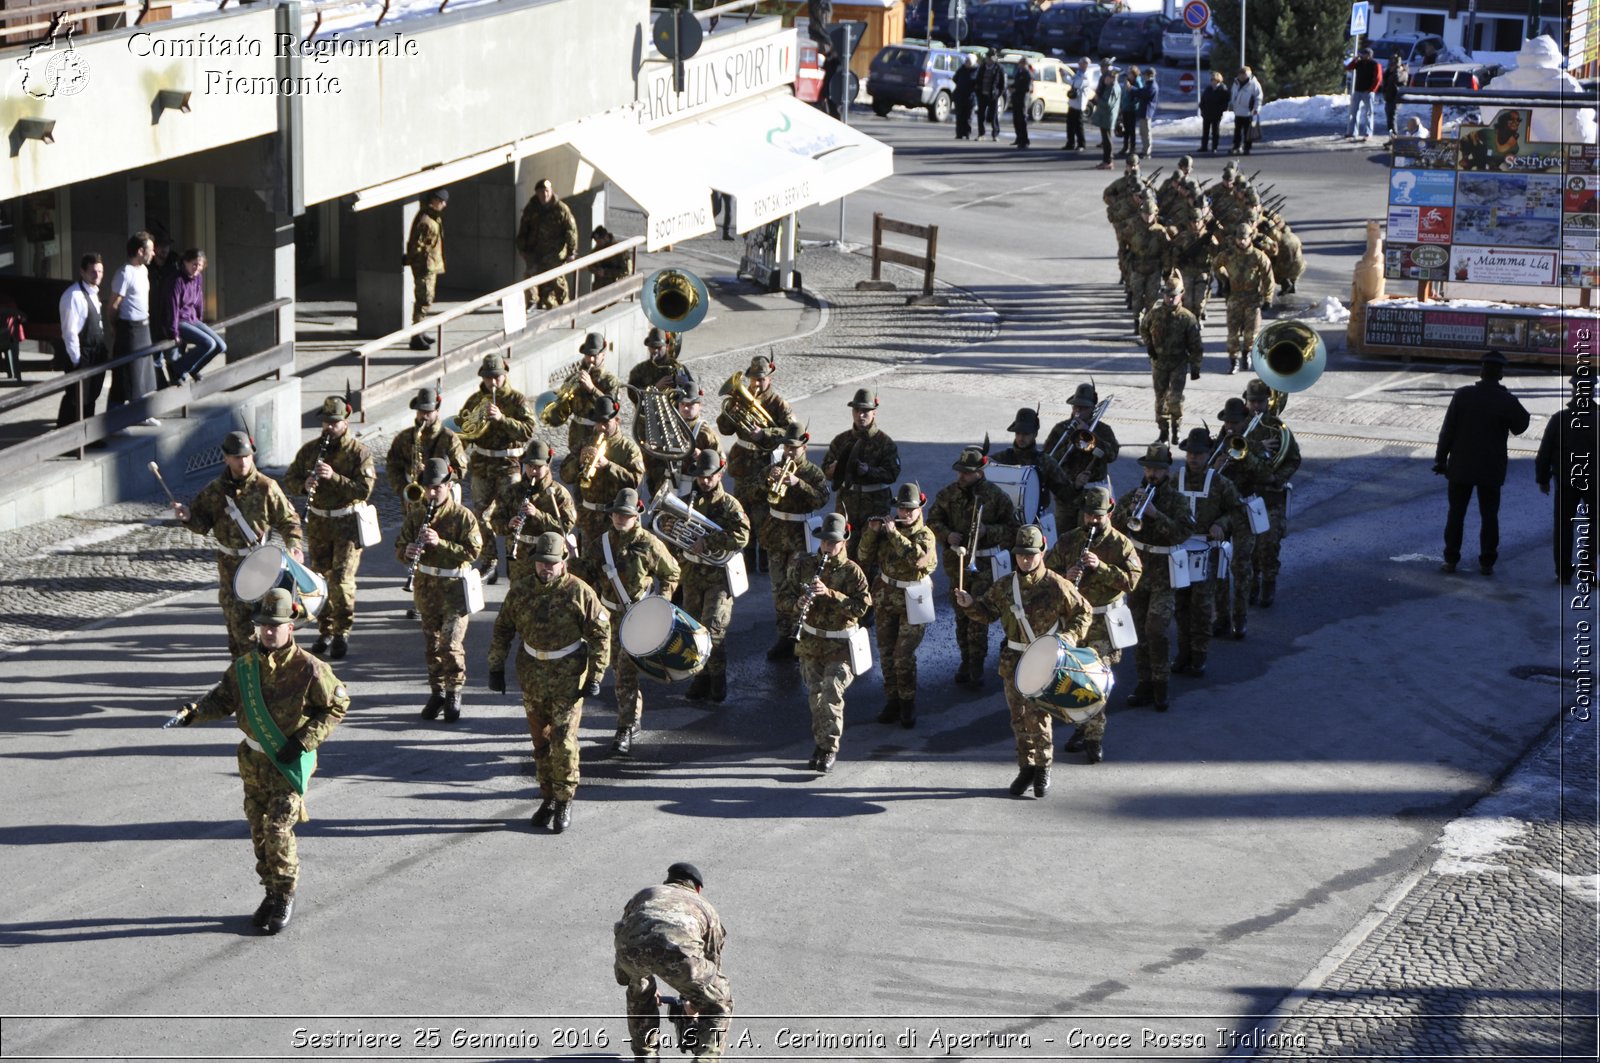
<point>1001,23</point>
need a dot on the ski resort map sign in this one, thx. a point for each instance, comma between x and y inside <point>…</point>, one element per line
<point>1493,208</point>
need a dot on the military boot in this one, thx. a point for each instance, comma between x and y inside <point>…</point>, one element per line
<point>782,650</point>
<point>1041,780</point>
<point>280,906</point>
<point>825,761</point>
<point>719,688</point>
<point>622,744</point>
<point>338,647</point>
<point>263,910</point>
<point>1142,693</point>
<point>1220,628</point>
<point>542,814</point>
<point>908,712</point>
<point>1092,753</point>
<point>1197,665</point>
<point>1162,424</point>
<point>1075,741</point>
<point>816,756</point>
<point>1024,779</point>
<point>1233,364</point>
<point>963,673</point>
<point>1244,360</point>
<point>699,688</point>
<point>320,647</point>
<point>1180,666</point>
<point>1269,592</point>
<point>1160,695</point>
<point>891,711</point>
<point>563,816</point>
<point>430,711</point>
<point>452,706</point>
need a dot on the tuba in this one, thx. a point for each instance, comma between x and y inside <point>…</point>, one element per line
<point>743,408</point>
<point>675,300</point>
<point>1290,356</point>
<point>662,433</point>
<point>675,521</point>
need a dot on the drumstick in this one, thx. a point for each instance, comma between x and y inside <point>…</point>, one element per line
<point>961,572</point>
<point>162,481</point>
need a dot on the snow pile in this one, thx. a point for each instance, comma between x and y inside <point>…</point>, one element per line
<point>1330,310</point>
<point>1292,110</point>
<point>1468,840</point>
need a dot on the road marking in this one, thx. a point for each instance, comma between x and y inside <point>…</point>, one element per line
<point>944,255</point>
<point>997,195</point>
<point>1394,380</point>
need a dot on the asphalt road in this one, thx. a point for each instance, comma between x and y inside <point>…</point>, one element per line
<point>1171,892</point>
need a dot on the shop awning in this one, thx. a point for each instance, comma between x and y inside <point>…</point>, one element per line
<point>675,198</point>
<point>845,159</point>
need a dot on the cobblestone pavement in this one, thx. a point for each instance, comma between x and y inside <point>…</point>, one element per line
<point>1487,951</point>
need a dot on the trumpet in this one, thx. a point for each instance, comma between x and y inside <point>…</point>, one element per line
<point>591,464</point>
<point>743,408</point>
<point>1136,516</point>
<point>777,479</point>
<point>675,521</point>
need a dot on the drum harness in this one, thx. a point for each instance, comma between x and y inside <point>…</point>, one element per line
<point>1022,617</point>
<point>250,535</point>
<point>616,579</point>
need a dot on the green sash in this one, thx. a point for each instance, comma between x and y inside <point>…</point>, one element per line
<point>247,670</point>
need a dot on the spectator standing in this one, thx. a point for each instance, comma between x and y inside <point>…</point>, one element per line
<point>425,256</point>
<point>1077,98</point>
<point>180,314</point>
<point>1021,93</point>
<point>83,337</point>
<point>612,269</point>
<point>991,87</point>
<point>1398,74</point>
<point>1472,456</point>
<point>1245,102</point>
<point>966,86</point>
<point>130,305</point>
<point>1152,98</point>
<point>1214,102</point>
<point>1363,90</point>
<point>1103,111</point>
<point>1566,455</point>
<point>547,236</point>
<point>1128,111</point>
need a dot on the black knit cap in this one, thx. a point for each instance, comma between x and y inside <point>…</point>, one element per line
<point>685,872</point>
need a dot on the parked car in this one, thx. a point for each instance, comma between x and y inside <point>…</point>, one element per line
<point>917,19</point>
<point>1456,75</point>
<point>1412,47</point>
<point>1135,36</point>
<point>1051,80</point>
<point>914,75</point>
<point>1177,45</point>
<point>1001,23</point>
<point>1070,30</point>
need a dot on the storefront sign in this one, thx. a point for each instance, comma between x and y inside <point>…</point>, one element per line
<point>716,77</point>
<point>1513,331</point>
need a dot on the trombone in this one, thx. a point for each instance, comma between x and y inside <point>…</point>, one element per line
<point>1082,437</point>
<point>1236,447</point>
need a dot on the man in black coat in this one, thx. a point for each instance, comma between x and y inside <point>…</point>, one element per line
<point>1021,90</point>
<point>966,82</point>
<point>1472,455</point>
<point>1566,454</point>
<point>991,87</point>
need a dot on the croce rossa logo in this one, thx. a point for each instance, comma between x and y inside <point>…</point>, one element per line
<point>54,67</point>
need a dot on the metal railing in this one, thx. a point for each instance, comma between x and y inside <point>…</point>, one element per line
<point>512,299</point>
<point>79,434</point>
<point>63,12</point>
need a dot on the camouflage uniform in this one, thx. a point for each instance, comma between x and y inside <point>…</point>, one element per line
<point>1196,605</point>
<point>403,466</point>
<point>493,461</point>
<point>639,558</point>
<point>626,469</point>
<point>546,237</point>
<point>705,586</point>
<point>784,536</point>
<point>263,505</point>
<point>1274,488</point>
<point>651,373</point>
<point>750,455</point>
<point>901,555</point>
<point>1249,274</point>
<point>425,256</point>
<point>862,494</point>
<point>1149,259</point>
<point>1236,202</point>
<point>1120,198</point>
<point>824,660</point>
<point>1288,257</point>
<point>575,413</point>
<point>1119,573</point>
<point>1166,524</point>
<point>1079,468</point>
<point>332,548</point>
<point>672,933</point>
<point>952,511</point>
<point>1172,338</point>
<point>1249,476</point>
<point>548,618</point>
<point>1052,605</point>
<point>553,511</point>
<point>1192,252</point>
<point>1054,482</point>
<point>307,701</point>
<point>439,599</point>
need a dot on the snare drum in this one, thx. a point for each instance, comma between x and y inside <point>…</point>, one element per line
<point>663,640</point>
<point>1072,682</point>
<point>267,566</point>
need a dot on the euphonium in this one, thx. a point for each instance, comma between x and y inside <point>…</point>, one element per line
<point>777,477</point>
<point>477,422</point>
<point>743,408</point>
<point>685,527</point>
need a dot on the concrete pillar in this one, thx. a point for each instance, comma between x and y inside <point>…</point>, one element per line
<point>252,263</point>
<point>383,283</point>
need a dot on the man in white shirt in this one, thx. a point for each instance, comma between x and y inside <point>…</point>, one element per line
<point>130,305</point>
<point>1076,98</point>
<point>82,337</point>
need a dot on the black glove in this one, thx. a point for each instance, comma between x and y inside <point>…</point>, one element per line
<point>292,750</point>
<point>1194,374</point>
<point>1438,468</point>
<point>497,681</point>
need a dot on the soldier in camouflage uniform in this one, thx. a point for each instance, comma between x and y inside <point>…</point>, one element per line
<point>547,236</point>
<point>1287,254</point>
<point>1103,573</point>
<point>862,463</point>
<point>626,563</point>
<point>425,439</point>
<point>830,596</point>
<point>617,463</point>
<point>1217,514</point>
<point>1172,339</point>
<point>305,702</point>
<point>785,536</point>
<point>592,381</point>
<point>566,647</point>
<point>1235,200</point>
<point>336,474</point>
<point>1024,451</point>
<point>677,477</point>
<point>1122,198</point>
<point>425,257</point>
<point>1165,525</point>
<point>1249,277</point>
<point>257,504</point>
<point>438,542</point>
<point>659,369</point>
<point>1051,605</point>
<point>492,456</point>
<point>1284,452</point>
<point>540,505</point>
<point>670,932</point>
<point>750,455</point>
<point>1250,475</point>
<point>706,594</point>
<point>951,518</point>
<point>1193,248</point>
<point>1082,468</point>
<point>1149,260</point>
<point>901,549</point>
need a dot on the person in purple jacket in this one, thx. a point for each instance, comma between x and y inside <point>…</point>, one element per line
<point>180,310</point>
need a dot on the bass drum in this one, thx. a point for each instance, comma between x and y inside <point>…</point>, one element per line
<point>664,641</point>
<point>268,566</point>
<point>1021,485</point>
<point>1072,682</point>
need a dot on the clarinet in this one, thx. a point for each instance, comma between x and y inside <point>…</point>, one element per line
<point>811,595</point>
<point>411,574</point>
<point>1088,544</point>
<point>514,525</point>
<point>311,488</point>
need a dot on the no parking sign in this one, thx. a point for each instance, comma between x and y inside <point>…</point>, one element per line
<point>1196,13</point>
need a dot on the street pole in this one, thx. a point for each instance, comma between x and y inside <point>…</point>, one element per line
<point>845,101</point>
<point>1243,7</point>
